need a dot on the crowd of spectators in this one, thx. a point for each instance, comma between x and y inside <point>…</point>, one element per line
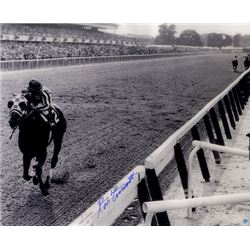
<point>14,50</point>
<point>61,30</point>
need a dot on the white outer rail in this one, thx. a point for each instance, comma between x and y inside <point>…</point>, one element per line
<point>210,146</point>
<point>152,207</point>
<point>163,154</point>
<point>162,206</point>
<point>69,61</point>
<point>219,148</point>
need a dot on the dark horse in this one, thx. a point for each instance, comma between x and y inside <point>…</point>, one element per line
<point>235,63</point>
<point>246,63</point>
<point>34,137</point>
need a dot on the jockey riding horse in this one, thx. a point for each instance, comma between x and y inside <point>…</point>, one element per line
<point>39,99</point>
<point>38,121</point>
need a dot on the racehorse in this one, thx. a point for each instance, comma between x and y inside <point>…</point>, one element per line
<point>246,63</point>
<point>34,137</point>
<point>235,63</point>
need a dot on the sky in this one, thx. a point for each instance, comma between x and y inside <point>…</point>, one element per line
<point>152,29</point>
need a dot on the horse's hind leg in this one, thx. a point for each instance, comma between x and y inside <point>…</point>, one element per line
<point>26,166</point>
<point>57,136</point>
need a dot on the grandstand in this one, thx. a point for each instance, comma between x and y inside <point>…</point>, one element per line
<point>49,41</point>
<point>41,41</point>
<point>67,33</point>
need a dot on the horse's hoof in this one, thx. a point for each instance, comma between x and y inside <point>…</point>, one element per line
<point>35,180</point>
<point>43,189</point>
<point>44,192</point>
<point>27,177</point>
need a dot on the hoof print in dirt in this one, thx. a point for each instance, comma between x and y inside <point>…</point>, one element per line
<point>100,153</point>
<point>61,179</point>
<point>91,165</point>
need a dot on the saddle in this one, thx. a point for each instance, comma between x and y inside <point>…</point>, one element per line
<point>54,112</point>
<point>51,117</point>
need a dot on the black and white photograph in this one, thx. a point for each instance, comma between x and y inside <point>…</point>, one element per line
<point>124,124</point>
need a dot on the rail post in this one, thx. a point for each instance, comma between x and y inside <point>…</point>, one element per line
<point>244,89</point>
<point>143,194</point>
<point>248,135</point>
<point>229,112</point>
<point>236,98</point>
<point>211,138</point>
<point>219,139</point>
<point>190,175</point>
<point>200,155</point>
<point>182,168</point>
<point>247,84</point>
<point>224,120</point>
<point>233,106</point>
<point>242,104</point>
<point>156,195</point>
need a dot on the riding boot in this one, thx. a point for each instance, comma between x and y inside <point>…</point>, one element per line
<point>51,121</point>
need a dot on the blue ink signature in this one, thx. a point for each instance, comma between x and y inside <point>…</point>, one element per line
<point>115,192</point>
<point>245,221</point>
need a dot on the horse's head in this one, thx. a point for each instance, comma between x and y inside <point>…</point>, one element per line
<point>17,108</point>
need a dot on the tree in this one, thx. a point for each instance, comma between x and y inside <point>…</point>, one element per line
<point>218,40</point>
<point>226,40</point>
<point>214,40</point>
<point>166,34</point>
<point>189,38</point>
<point>236,40</point>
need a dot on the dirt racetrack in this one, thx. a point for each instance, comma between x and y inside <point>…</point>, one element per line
<point>117,114</point>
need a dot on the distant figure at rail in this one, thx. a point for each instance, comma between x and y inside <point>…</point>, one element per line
<point>235,63</point>
<point>247,62</point>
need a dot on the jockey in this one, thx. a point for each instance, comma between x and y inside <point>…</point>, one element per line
<point>235,63</point>
<point>39,98</point>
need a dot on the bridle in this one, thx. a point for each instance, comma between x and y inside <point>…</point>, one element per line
<point>23,118</point>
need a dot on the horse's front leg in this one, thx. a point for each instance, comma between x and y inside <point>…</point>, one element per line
<point>26,166</point>
<point>41,158</point>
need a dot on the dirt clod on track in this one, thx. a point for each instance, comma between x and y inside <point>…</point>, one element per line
<point>117,114</point>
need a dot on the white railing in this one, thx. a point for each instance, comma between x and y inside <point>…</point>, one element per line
<point>69,61</point>
<point>164,154</point>
<point>152,207</point>
<point>205,145</point>
<point>111,205</point>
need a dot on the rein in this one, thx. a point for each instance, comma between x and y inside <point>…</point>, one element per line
<point>14,129</point>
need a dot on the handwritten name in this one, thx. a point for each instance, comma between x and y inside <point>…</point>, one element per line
<point>114,195</point>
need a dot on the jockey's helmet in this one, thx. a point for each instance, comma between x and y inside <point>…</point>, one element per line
<point>35,86</point>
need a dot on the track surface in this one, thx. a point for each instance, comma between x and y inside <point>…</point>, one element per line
<point>117,114</point>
